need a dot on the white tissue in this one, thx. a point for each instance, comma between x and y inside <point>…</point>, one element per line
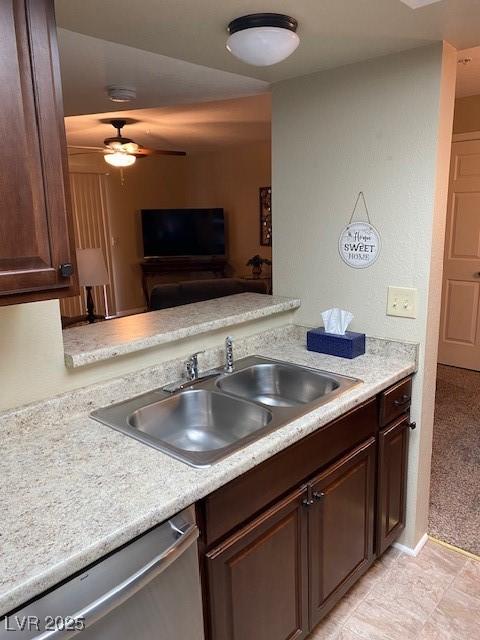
<point>336,321</point>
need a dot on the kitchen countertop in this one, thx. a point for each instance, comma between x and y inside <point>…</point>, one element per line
<point>120,336</point>
<point>73,490</point>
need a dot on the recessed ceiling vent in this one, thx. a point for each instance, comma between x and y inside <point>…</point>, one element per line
<point>117,93</point>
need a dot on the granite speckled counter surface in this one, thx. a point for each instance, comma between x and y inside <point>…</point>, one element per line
<point>72,489</point>
<point>106,340</point>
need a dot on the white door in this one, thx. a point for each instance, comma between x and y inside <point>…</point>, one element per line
<point>459,344</point>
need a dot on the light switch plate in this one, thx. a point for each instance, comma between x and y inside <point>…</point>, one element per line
<point>402,302</point>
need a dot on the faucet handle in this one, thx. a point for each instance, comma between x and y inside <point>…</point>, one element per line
<point>191,366</point>
<point>228,354</point>
<point>189,369</point>
<point>194,358</point>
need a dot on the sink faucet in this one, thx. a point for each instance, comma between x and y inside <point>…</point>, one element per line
<point>191,369</point>
<point>228,368</point>
<point>191,366</point>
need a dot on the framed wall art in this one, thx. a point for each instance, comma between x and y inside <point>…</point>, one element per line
<point>266,216</point>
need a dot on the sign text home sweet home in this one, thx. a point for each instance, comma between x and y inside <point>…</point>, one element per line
<point>359,242</point>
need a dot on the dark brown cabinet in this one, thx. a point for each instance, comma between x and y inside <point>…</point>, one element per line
<point>340,528</point>
<point>392,480</point>
<point>276,578</point>
<point>281,544</point>
<point>36,256</point>
<point>258,580</point>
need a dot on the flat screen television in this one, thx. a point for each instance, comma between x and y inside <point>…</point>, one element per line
<point>183,232</point>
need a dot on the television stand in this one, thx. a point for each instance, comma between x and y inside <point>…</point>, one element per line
<point>171,269</point>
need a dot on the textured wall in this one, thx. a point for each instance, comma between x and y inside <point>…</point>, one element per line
<point>230,178</point>
<point>372,126</point>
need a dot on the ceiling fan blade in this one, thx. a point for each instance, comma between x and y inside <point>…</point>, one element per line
<point>169,152</point>
<point>144,152</point>
<point>78,146</point>
<point>81,153</point>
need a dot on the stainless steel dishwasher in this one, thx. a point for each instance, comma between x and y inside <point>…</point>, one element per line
<point>147,590</point>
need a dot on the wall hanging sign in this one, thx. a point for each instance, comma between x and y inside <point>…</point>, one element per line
<point>359,243</point>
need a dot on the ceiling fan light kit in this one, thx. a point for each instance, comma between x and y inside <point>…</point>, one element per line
<point>119,151</point>
<point>120,159</point>
<point>263,39</point>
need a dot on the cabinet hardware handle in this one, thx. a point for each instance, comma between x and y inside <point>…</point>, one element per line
<point>401,401</point>
<point>307,502</point>
<point>318,495</point>
<point>310,498</point>
<point>413,425</point>
<point>66,269</point>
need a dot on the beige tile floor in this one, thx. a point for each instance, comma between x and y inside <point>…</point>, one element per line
<point>435,596</point>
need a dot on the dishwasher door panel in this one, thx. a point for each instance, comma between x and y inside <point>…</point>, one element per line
<point>168,608</point>
<point>147,590</point>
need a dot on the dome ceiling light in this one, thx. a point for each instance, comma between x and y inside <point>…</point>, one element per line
<point>120,159</point>
<point>263,39</point>
<point>117,93</point>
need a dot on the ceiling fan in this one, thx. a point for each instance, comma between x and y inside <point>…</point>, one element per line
<point>122,152</point>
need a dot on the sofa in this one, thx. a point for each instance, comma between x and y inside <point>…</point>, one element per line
<point>174,294</point>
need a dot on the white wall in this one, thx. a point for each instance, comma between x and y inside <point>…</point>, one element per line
<point>372,126</point>
<point>230,177</point>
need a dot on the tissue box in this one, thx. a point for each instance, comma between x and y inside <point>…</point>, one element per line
<point>349,346</point>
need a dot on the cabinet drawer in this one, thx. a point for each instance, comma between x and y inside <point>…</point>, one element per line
<point>242,498</point>
<point>395,401</point>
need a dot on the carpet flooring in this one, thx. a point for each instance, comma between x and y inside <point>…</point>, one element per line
<point>455,484</point>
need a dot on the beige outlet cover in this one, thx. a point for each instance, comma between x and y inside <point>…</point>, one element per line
<point>402,302</point>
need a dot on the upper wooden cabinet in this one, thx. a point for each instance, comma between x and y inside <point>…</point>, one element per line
<point>36,254</point>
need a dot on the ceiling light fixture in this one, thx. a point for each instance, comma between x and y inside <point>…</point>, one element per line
<point>120,159</point>
<point>263,39</point>
<point>117,93</point>
<point>418,4</point>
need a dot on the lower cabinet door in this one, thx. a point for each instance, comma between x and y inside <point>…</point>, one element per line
<point>341,528</point>
<point>392,479</point>
<point>257,579</point>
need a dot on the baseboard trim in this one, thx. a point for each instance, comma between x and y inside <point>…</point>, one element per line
<point>409,551</point>
<point>130,312</point>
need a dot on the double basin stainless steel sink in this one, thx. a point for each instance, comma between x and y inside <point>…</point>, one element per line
<point>212,417</point>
